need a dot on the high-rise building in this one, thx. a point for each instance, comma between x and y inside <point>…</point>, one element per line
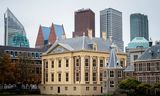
<point>111,23</point>
<point>15,34</point>
<point>84,21</point>
<point>48,35</point>
<point>138,26</point>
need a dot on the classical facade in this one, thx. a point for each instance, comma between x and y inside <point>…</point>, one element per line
<point>75,66</point>
<point>48,35</point>
<point>147,66</point>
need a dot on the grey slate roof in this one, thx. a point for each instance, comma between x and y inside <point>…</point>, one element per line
<point>151,53</point>
<point>113,61</point>
<point>83,43</point>
<point>129,68</point>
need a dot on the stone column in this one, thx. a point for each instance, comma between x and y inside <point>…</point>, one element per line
<point>91,70</point>
<point>82,71</point>
<point>98,73</point>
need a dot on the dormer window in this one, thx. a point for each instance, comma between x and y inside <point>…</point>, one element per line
<point>95,46</point>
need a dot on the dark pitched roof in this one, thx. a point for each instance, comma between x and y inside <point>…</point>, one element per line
<point>151,53</point>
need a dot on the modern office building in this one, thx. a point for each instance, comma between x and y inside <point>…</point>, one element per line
<point>84,20</point>
<point>111,23</point>
<point>28,59</point>
<point>15,34</point>
<point>75,66</point>
<point>48,35</point>
<point>147,66</point>
<point>139,26</point>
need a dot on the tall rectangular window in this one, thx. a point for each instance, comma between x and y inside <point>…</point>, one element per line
<point>77,62</point>
<point>52,77</point>
<point>148,66</point>
<point>101,76</point>
<point>67,77</point>
<point>52,65</point>
<point>86,62</point>
<point>111,83</point>
<point>46,64</point>
<point>86,76</point>
<point>77,76</point>
<point>59,77</point>
<point>135,57</point>
<point>94,62</point>
<point>101,63</point>
<point>140,67</point>
<point>59,63</point>
<point>94,76</point>
<point>67,62</point>
<point>111,73</point>
<point>119,73</point>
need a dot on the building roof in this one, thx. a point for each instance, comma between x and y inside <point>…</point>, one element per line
<point>59,30</point>
<point>83,43</point>
<point>129,68</point>
<point>113,61</point>
<point>2,48</point>
<point>151,53</point>
<point>138,42</point>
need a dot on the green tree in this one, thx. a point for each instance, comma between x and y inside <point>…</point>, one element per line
<point>6,74</point>
<point>144,88</point>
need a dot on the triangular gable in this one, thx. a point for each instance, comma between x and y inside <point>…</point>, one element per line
<point>59,48</point>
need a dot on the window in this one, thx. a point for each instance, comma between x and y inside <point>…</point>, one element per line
<point>94,62</point>
<point>67,62</point>
<point>135,57</point>
<point>86,62</point>
<point>158,66</point>
<point>37,70</point>
<point>94,88</point>
<point>111,83</point>
<point>59,63</point>
<point>51,88</point>
<point>66,88</point>
<point>140,67</point>
<point>101,76</point>
<point>148,66</point>
<point>52,66</point>
<point>59,77</point>
<point>86,76</point>
<point>105,74</point>
<point>77,76</point>
<point>52,77</point>
<point>101,63</point>
<point>77,62</point>
<point>87,88</point>
<point>74,88</point>
<point>105,83</point>
<point>119,73</point>
<point>46,64</point>
<point>111,73</point>
<point>46,77</point>
<point>67,77</point>
<point>94,76</point>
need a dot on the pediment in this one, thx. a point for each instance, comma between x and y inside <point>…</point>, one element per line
<point>58,49</point>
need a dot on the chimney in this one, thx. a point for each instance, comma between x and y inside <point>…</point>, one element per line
<point>150,42</point>
<point>63,36</point>
<point>90,33</point>
<point>104,36</point>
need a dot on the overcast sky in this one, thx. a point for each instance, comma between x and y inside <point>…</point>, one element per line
<point>32,13</point>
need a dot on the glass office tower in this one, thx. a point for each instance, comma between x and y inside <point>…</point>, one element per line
<point>138,26</point>
<point>14,31</point>
<point>111,23</point>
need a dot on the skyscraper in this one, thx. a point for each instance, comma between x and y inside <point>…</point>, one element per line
<point>111,23</point>
<point>15,34</point>
<point>84,21</point>
<point>138,26</point>
<point>48,35</point>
